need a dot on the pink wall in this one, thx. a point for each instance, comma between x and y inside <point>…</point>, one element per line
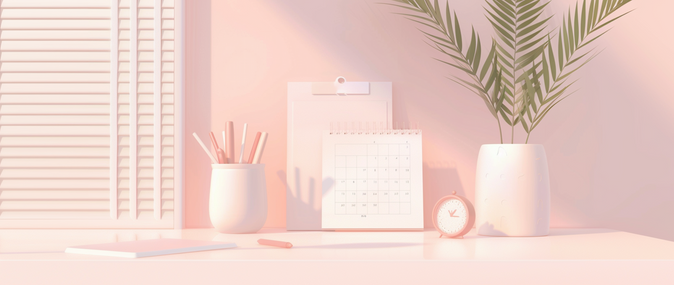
<point>609,145</point>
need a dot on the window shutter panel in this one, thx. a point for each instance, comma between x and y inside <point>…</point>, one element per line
<point>88,131</point>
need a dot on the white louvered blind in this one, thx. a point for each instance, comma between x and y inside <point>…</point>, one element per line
<point>88,128</point>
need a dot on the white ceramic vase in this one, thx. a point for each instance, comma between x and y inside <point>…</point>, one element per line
<point>238,198</point>
<point>512,190</point>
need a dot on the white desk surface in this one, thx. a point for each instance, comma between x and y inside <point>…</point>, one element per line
<point>566,255</point>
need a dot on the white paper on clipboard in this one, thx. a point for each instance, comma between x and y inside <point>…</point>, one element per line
<point>309,114</point>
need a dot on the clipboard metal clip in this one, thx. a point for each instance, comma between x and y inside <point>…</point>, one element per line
<point>339,82</point>
<point>340,87</point>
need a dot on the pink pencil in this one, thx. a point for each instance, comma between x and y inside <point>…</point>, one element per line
<point>260,148</point>
<point>275,243</point>
<point>222,158</point>
<point>252,150</point>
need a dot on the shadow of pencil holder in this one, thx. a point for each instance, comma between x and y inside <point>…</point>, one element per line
<point>238,198</point>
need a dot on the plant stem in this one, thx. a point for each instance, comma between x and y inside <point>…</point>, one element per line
<point>512,127</point>
<point>527,141</point>
<point>500,133</point>
<point>512,133</point>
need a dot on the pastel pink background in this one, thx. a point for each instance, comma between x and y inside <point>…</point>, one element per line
<point>610,146</point>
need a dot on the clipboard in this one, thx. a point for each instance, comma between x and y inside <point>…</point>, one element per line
<point>312,108</point>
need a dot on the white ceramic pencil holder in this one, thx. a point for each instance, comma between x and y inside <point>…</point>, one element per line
<point>238,198</point>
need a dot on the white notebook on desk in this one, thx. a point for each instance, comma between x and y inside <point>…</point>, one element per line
<point>312,106</point>
<point>150,247</point>
<point>372,180</point>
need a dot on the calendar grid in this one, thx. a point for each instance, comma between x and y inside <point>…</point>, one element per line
<point>372,179</point>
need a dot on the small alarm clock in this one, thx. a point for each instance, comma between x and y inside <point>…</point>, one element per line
<point>453,216</point>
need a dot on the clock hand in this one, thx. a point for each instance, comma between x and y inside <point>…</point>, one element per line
<point>451,213</point>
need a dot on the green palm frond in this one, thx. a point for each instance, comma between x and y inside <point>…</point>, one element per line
<point>447,38</point>
<point>521,39</point>
<point>525,74</point>
<point>580,27</point>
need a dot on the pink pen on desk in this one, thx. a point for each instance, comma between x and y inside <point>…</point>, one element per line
<point>274,243</point>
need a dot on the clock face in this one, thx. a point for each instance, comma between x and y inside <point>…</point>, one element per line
<point>452,216</point>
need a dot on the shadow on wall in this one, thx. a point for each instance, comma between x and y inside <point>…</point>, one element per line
<point>305,204</point>
<point>440,179</point>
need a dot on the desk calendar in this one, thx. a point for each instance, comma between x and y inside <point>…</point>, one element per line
<point>372,180</point>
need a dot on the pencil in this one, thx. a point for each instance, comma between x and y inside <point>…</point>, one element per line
<point>243,142</point>
<point>260,148</point>
<point>254,147</point>
<point>205,148</point>
<point>275,243</point>
<point>220,155</point>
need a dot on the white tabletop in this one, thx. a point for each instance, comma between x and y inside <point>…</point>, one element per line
<point>574,249</point>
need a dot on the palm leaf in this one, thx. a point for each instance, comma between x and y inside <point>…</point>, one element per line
<point>580,27</point>
<point>523,76</point>
<point>521,39</point>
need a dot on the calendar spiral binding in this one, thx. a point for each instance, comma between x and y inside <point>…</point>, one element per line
<point>372,128</point>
